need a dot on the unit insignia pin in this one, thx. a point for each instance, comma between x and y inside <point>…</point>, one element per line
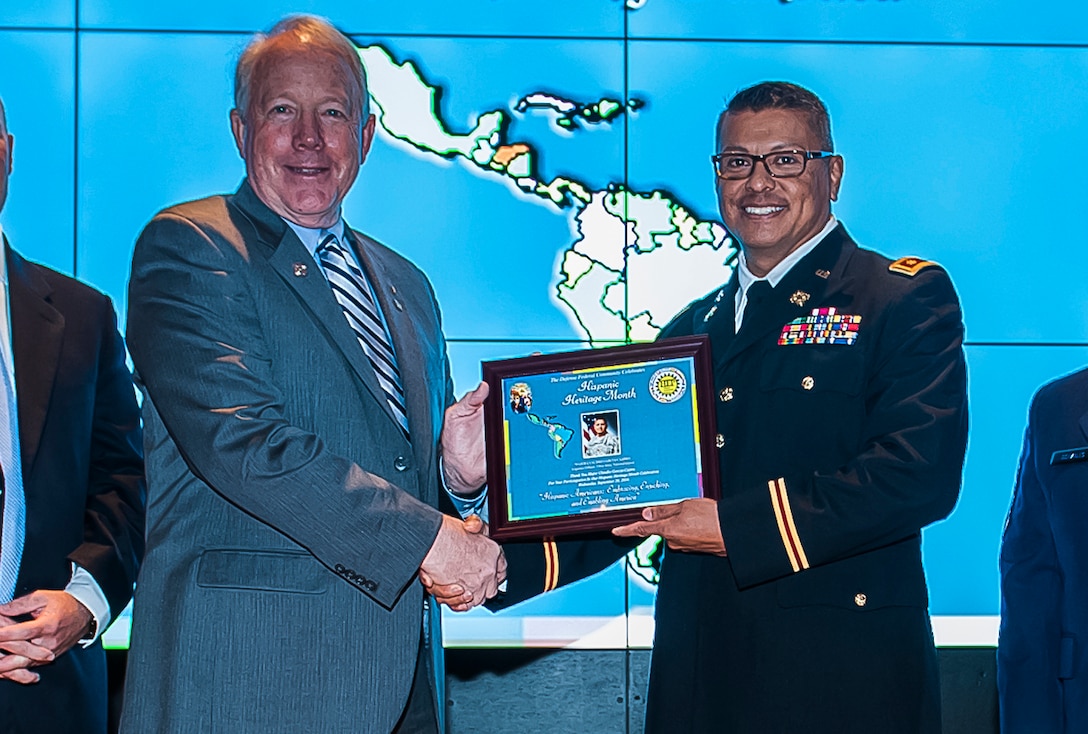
<point>799,298</point>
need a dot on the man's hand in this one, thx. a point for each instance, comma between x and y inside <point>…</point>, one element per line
<point>454,595</point>
<point>58,622</point>
<point>691,525</point>
<point>463,458</point>
<point>464,567</point>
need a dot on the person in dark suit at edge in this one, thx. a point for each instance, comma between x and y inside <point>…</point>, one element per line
<point>301,431</point>
<point>71,492</point>
<point>1042,667</point>
<point>798,602</point>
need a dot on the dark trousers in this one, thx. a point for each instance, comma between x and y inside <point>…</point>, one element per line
<point>419,715</point>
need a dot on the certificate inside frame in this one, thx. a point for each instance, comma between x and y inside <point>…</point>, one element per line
<point>580,442</point>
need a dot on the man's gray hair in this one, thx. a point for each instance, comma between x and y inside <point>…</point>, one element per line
<point>313,31</point>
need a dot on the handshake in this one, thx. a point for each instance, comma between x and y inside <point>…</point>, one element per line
<point>464,567</point>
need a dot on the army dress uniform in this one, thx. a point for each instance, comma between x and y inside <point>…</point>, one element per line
<point>842,420</point>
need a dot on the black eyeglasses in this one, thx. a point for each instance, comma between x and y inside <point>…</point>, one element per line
<point>779,163</point>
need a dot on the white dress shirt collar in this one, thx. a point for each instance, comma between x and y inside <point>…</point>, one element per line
<point>311,238</point>
<point>745,278</point>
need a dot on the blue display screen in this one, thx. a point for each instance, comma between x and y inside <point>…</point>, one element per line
<point>547,164</point>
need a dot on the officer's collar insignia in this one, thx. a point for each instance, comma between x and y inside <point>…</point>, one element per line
<point>822,326</point>
<point>714,307</point>
<point>821,273</point>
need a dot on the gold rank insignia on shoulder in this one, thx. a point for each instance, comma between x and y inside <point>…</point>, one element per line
<point>910,266</point>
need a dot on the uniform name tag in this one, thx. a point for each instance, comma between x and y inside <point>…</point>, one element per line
<point>1069,456</point>
<point>822,326</point>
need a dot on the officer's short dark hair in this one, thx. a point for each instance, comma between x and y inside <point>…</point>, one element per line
<point>784,96</point>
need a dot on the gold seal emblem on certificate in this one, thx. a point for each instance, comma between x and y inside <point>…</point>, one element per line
<point>668,385</point>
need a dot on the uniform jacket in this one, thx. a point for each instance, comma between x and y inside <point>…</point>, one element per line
<point>1042,668</point>
<point>833,457</point>
<point>288,514</point>
<point>79,434</point>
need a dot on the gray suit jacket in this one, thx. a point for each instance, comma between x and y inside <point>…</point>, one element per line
<point>287,513</point>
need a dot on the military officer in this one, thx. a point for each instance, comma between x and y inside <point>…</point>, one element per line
<point>797,602</point>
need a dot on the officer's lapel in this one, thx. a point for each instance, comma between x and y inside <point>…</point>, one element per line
<point>807,286</point>
<point>717,316</point>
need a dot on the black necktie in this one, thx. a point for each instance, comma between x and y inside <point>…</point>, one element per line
<point>759,294</point>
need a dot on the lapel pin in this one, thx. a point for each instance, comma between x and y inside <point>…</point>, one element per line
<point>799,298</point>
<point>825,274</point>
<point>397,304</point>
<point>300,270</point>
<point>393,289</point>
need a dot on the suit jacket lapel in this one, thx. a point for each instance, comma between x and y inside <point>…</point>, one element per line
<point>293,263</point>
<point>806,286</point>
<point>37,332</point>
<point>404,332</point>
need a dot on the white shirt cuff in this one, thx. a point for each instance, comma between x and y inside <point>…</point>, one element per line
<point>88,593</point>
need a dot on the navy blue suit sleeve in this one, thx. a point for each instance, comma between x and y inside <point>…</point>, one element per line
<point>1031,630</point>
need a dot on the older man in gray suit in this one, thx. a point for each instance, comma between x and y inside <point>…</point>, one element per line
<point>300,432</point>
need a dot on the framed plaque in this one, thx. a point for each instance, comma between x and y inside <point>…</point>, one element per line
<point>580,442</point>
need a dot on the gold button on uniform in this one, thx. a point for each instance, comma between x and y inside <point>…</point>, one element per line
<point>807,382</point>
<point>726,394</point>
<point>719,440</point>
<point>860,599</point>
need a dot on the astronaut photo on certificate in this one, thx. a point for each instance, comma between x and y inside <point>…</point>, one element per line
<point>600,434</point>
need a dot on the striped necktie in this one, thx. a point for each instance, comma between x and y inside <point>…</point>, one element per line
<point>349,285</point>
<point>12,506</point>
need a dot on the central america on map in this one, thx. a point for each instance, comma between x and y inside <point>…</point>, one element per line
<point>625,242</point>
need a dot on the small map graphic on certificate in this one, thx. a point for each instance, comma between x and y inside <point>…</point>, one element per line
<point>557,432</point>
<point>521,399</point>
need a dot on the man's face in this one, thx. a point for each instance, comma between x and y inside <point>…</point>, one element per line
<point>7,142</point>
<point>600,427</point>
<point>302,139</point>
<point>772,216</point>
